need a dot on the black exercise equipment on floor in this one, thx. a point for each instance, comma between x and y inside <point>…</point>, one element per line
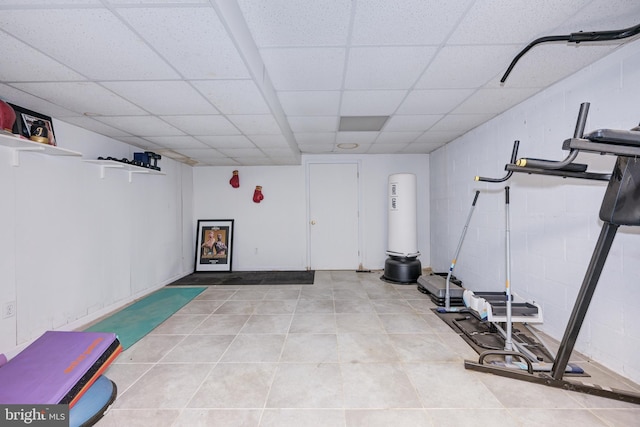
<point>620,206</point>
<point>434,285</point>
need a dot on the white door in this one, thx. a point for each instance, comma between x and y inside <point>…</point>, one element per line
<point>333,216</point>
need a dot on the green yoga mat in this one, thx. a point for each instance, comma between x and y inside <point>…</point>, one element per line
<point>137,320</point>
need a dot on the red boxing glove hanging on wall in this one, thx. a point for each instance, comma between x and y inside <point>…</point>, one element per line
<point>257,194</point>
<point>235,180</point>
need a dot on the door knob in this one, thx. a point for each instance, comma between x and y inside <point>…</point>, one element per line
<point>313,222</point>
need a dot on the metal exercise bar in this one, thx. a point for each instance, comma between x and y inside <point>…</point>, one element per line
<point>600,253</point>
<point>577,133</point>
<point>579,37</point>
<point>514,156</point>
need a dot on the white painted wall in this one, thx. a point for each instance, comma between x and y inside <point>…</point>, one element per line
<point>277,227</point>
<point>74,246</point>
<point>554,221</point>
<point>268,235</point>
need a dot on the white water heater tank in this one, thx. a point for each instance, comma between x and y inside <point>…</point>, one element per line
<point>403,216</point>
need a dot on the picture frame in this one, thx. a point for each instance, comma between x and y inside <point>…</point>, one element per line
<point>24,120</point>
<point>214,245</point>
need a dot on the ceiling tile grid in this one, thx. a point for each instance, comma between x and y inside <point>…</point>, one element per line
<point>213,82</point>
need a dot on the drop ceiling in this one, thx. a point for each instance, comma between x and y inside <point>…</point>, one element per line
<point>260,82</point>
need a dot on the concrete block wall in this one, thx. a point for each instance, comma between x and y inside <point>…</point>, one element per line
<point>554,221</point>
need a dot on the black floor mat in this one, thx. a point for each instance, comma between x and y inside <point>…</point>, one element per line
<point>247,278</point>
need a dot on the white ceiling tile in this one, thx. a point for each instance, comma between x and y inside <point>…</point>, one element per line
<point>301,23</point>
<point>233,96</point>
<point>316,148</point>
<point>315,138</point>
<point>270,141</point>
<point>82,97</point>
<point>602,16</point>
<point>395,67</point>
<point>360,149</point>
<point>229,141</point>
<point>437,137</point>
<point>255,161</point>
<point>397,137</point>
<point>22,63</point>
<point>139,142</point>
<point>487,101</point>
<point>141,125</point>
<point>313,124</point>
<point>163,97</point>
<point>310,103</point>
<point>516,21</point>
<point>154,2</point>
<point>409,22</point>
<point>50,3</point>
<point>241,152</point>
<point>92,45</point>
<point>222,161</point>
<point>371,103</point>
<point>458,67</point>
<point>460,122</point>
<point>95,126</point>
<point>26,100</point>
<point>201,153</point>
<point>356,137</point>
<point>435,101</point>
<point>411,123</point>
<point>305,69</point>
<point>202,125</point>
<point>256,124</point>
<point>193,40</point>
<point>177,142</point>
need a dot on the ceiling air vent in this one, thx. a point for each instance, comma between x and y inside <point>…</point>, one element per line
<point>362,123</point>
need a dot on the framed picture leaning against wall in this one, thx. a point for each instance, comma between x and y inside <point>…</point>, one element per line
<point>214,245</point>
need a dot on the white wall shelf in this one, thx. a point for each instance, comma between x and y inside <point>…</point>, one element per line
<point>131,169</point>
<point>16,145</point>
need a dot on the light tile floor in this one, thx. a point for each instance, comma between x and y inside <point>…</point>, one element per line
<point>350,350</point>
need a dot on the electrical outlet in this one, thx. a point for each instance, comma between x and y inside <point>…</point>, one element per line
<point>9,309</point>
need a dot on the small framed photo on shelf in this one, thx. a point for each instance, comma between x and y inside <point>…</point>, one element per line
<point>33,126</point>
<point>214,244</point>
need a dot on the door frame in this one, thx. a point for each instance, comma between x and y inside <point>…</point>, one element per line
<point>358,164</point>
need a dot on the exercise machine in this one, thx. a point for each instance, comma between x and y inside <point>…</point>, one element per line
<point>620,206</point>
<point>500,306</point>
<point>440,288</point>
<point>489,317</point>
